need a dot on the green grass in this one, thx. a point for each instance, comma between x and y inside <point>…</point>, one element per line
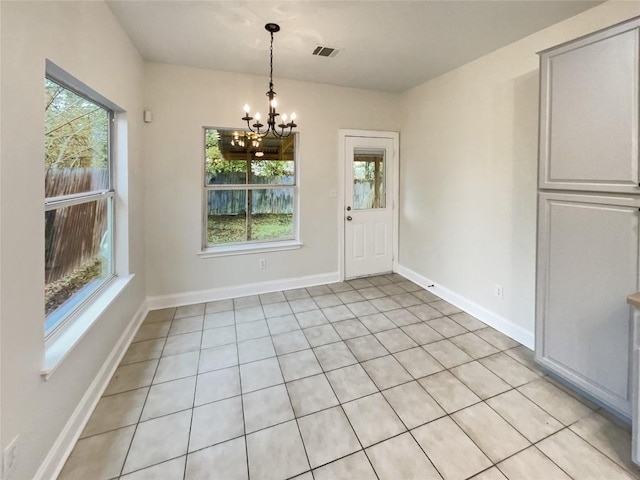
<point>59,291</point>
<point>232,228</point>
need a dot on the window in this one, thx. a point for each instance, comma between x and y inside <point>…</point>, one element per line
<point>79,201</point>
<point>368,179</point>
<point>250,188</point>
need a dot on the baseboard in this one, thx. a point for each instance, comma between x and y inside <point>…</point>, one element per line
<point>57,456</point>
<point>501,324</point>
<point>221,293</point>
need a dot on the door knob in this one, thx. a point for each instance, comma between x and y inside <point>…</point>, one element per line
<point>349,218</point>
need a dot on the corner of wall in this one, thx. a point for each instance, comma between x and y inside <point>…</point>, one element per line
<point>501,324</point>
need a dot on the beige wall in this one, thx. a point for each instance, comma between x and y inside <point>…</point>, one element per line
<point>84,39</point>
<point>183,100</point>
<point>468,171</point>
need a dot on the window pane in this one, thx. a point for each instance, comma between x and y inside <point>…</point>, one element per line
<point>273,172</point>
<point>226,216</point>
<point>76,143</point>
<point>230,167</point>
<point>78,245</point>
<point>237,157</point>
<point>243,160</point>
<point>223,172</point>
<point>271,214</point>
<point>368,179</point>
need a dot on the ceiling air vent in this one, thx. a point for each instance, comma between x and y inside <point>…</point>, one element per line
<point>321,51</point>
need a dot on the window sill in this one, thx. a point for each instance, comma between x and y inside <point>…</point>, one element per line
<point>58,349</point>
<point>229,250</point>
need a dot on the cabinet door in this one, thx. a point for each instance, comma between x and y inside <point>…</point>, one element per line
<point>587,265</point>
<point>589,112</point>
<point>635,387</point>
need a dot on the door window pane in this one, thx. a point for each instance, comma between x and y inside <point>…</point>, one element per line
<point>78,241</point>
<point>368,179</point>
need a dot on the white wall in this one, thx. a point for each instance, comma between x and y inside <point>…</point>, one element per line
<point>183,100</point>
<point>468,172</point>
<point>84,39</point>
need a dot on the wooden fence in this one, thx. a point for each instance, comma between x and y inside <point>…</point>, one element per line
<point>277,201</point>
<point>73,234</point>
<point>265,200</point>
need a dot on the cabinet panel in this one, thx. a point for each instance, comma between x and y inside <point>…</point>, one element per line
<point>587,265</point>
<point>589,114</point>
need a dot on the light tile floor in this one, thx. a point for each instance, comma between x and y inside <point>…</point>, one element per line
<point>372,378</point>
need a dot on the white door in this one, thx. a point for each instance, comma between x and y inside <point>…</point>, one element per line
<point>368,215</point>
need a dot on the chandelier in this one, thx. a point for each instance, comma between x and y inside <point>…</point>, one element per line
<point>254,145</point>
<point>286,128</point>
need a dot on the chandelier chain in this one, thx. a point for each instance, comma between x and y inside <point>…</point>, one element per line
<point>271,63</point>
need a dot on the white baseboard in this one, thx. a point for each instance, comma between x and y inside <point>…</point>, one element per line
<point>501,324</point>
<point>222,293</point>
<point>57,456</point>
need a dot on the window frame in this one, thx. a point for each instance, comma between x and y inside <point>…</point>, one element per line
<point>249,246</point>
<point>81,198</point>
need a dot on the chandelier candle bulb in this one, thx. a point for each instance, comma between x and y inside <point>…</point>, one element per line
<point>246,109</point>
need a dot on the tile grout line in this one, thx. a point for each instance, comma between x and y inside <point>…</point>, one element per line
<point>354,399</point>
<point>324,372</point>
<point>195,390</point>
<point>145,402</point>
<point>304,447</point>
<point>535,445</point>
<point>244,424</point>
<point>636,474</point>
<point>340,404</point>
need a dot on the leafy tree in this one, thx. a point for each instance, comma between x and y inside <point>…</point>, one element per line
<point>76,130</point>
<point>272,168</point>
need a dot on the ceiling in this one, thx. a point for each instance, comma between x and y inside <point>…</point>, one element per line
<point>384,45</point>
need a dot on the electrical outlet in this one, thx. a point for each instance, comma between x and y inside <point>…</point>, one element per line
<point>262,263</point>
<point>499,291</point>
<point>10,458</point>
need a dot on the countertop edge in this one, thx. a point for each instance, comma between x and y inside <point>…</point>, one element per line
<point>634,300</point>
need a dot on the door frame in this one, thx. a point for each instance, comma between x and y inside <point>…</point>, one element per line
<point>395,187</point>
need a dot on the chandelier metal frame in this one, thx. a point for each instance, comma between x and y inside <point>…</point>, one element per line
<point>286,128</point>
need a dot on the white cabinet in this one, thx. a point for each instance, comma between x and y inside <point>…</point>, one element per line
<point>634,300</point>
<point>588,262</point>
<point>589,200</point>
<point>589,112</point>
